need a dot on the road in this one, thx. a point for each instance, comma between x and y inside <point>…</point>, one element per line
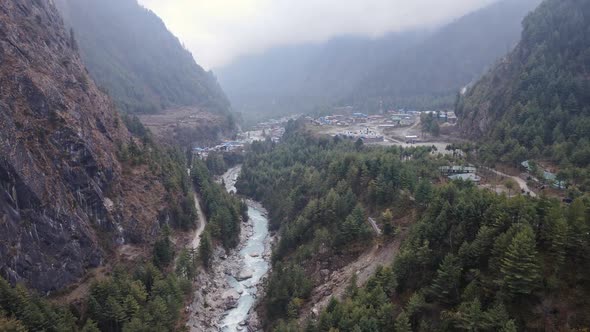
<point>202,223</point>
<point>521,183</point>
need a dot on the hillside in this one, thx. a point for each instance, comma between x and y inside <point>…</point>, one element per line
<point>457,258</point>
<point>409,69</point>
<point>74,182</point>
<point>534,104</point>
<point>431,74</point>
<point>130,52</point>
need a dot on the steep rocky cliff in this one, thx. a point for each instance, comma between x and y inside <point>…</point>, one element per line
<point>64,195</point>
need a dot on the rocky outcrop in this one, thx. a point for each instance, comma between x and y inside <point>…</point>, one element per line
<point>63,191</point>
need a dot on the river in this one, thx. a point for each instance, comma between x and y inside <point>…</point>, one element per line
<point>255,263</point>
<point>227,293</point>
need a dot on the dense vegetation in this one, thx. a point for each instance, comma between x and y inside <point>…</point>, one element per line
<point>224,211</point>
<point>474,260</point>
<point>534,105</point>
<point>130,52</point>
<point>319,193</point>
<point>219,163</point>
<point>20,311</point>
<point>145,298</point>
<point>477,261</point>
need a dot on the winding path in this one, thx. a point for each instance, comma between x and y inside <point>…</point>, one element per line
<point>202,223</point>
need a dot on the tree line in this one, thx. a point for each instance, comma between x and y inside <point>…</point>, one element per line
<point>477,261</point>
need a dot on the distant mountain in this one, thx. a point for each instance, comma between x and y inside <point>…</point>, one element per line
<point>431,74</point>
<point>130,52</point>
<point>416,69</point>
<point>300,78</point>
<point>535,103</point>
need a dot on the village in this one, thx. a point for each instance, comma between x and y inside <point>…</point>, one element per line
<point>272,129</point>
<point>394,127</point>
<point>404,128</point>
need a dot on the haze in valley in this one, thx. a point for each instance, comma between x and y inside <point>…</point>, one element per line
<point>216,32</point>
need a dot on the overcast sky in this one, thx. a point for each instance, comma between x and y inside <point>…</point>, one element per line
<point>217,31</point>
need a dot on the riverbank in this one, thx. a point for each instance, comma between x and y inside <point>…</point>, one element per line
<point>226,294</point>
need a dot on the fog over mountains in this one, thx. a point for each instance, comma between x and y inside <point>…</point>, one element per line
<point>417,69</point>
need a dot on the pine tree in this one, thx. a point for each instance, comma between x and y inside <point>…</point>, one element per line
<point>470,317</point>
<point>415,303</point>
<point>402,323</point>
<point>90,326</point>
<point>131,307</point>
<point>423,193</point>
<point>114,313</point>
<point>559,232</point>
<point>577,230</point>
<point>445,286</point>
<point>11,325</point>
<point>519,268</point>
<point>206,249</point>
<point>185,267</point>
<point>509,327</point>
<point>387,221</point>
<point>163,252</point>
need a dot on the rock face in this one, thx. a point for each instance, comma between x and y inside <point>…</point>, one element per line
<point>60,181</point>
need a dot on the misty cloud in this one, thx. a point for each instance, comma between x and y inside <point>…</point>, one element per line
<point>217,31</point>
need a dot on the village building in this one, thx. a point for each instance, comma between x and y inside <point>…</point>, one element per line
<point>470,177</point>
<point>451,170</point>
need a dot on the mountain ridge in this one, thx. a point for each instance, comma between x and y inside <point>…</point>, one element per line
<point>532,104</point>
<point>130,52</point>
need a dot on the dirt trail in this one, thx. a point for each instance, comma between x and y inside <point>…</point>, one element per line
<point>202,223</point>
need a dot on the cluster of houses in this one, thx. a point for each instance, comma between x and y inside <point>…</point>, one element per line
<point>390,119</point>
<point>548,177</point>
<point>444,116</point>
<point>230,146</point>
<point>273,129</point>
<point>465,173</point>
<point>366,136</point>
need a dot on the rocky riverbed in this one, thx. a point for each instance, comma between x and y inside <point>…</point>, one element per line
<point>226,295</point>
